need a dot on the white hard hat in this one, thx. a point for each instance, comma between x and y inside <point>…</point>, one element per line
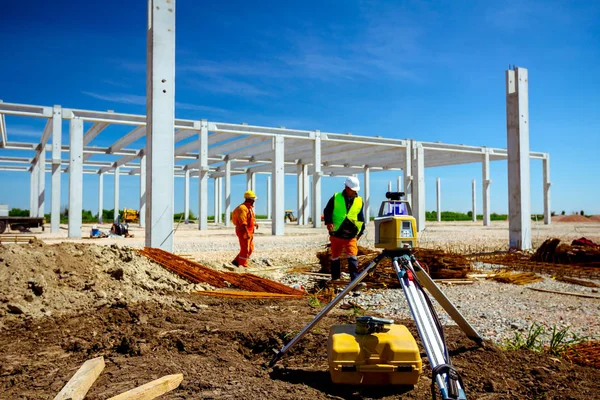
<point>94,226</point>
<point>352,183</point>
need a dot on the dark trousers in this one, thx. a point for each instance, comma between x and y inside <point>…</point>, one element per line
<point>336,270</point>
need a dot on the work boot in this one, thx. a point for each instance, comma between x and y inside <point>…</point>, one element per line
<point>336,270</point>
<point>353,268</point>
<point>234,262</point>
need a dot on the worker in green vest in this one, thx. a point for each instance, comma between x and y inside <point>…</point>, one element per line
<point>345,221</point>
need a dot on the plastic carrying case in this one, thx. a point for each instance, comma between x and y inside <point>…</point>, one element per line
<point>374,351</point>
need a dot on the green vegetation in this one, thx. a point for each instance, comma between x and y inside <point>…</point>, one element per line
<point>314,302</point>
<point>17,212</point>
<point>457,216</point>
<point>558,344</point>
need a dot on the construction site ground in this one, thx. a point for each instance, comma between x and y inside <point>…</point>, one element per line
<point>64,302</point>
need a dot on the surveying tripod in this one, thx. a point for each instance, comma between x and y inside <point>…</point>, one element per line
<point>413,278</point>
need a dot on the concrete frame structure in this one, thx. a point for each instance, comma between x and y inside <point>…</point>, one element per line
<point>221,150</point>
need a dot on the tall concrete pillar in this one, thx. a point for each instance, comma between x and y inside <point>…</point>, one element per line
<point>143,190</point>
<point>517,126</point>
<point>203,177</point>
<point>278,187</point>
<point>249,180</point>
<point>300,192</point>
<point>219,202</point>
<point>75,177</point>
<point>42,184</point>
<point>317,173</point>
<point>418,189</point>
<point>227,191</point>
<point>547,185</point>
<point>160,123</point>
<point>34,188</point>
<point>216,198</point>
<point>116,196</point>
<point>100,196</point>
<point>306,193</point>
<point>407,172</point>
<point>474,203</point>
<point>485,188</point>
<point>56,165</point>
<point>400,188</point>
<point>439,199</point>
<point>269,213</point>
<point>186,196</point>
<point>367,193</point>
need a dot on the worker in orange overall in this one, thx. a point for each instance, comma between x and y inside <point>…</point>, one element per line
<point>345,221</point>
<point>245,222</point>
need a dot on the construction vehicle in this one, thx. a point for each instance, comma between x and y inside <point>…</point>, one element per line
<point>130,216</point>
<point>377,351</point>
<point>18,223</point>
<point>289,215</point>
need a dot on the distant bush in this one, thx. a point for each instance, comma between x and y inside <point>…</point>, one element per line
<point>457,216</point>
<point>17,212</point>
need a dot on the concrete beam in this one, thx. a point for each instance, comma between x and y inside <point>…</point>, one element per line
<point>93,132</point>
<point>160,123</point>
<point>126,140</point>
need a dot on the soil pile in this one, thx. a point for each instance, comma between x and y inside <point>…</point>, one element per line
<point>571,218</point>
<point>40,280</point>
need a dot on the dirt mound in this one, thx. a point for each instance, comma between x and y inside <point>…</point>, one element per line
<point>570,218</point>
<point>37,279</point>
<point>595,218</point>
<point>223,350</point>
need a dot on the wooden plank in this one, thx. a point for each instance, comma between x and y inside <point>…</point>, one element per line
<point>84,378</point>
<point>152,389</point>
<point>590,296</point>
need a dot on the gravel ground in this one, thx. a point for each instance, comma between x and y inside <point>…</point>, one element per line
<point>496,310</point>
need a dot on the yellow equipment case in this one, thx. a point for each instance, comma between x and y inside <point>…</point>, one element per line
<point>386,356</point>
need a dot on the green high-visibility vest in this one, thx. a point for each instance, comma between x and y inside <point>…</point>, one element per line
<point>340,213</point>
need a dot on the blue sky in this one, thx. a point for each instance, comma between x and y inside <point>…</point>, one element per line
<point>430,71</point>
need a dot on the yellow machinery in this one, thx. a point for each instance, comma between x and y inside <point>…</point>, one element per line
<point>375,350</point>
<point>289,214</point>
<point>395,227</point>
<point>130,216</point>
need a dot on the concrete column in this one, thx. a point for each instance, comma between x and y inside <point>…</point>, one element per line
<point>367,194</point>
<point>253,183</point>
<point>300,192</point>
<point>249,180</point>
<point>101,196</point>
<point>547,185</point>
<point>485,188</point>
<point>400,188</point>
<point>439,199</point>
<point>418,190</point>
<point>186,196</point>
<point>216,198</point>
<point>407,172</point>
<point>269,213</point>
<point>75,177</point>
<point>42,184</point>
<point>278,187</point>
<point>317,173</point>
<point>227,191</point>
<point>306,193</point>
<point>517,126</point>
<point>474,203</point>
<point>203,177</point>
<point>56,164</point>
<point>143,191</point>
<point>34,188</point>
<point>219,204</point>
<point>116,195</point>
<point>160,123</point>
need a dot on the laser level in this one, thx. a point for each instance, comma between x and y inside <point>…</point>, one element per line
<point>395,227</point>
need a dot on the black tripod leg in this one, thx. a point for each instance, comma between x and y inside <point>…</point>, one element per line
<point>326,310</point>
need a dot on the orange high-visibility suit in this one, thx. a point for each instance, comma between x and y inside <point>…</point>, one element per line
<point>245,221</point>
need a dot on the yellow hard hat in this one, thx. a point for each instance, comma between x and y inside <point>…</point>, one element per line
<point>250,195</point>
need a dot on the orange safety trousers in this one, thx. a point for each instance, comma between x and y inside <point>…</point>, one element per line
<point>246,248</point>
<point>339,245</point>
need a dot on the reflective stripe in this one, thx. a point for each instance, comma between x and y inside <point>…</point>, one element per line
<point>353,257</point>
<point>340,213</point>
<point>335,259</point>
